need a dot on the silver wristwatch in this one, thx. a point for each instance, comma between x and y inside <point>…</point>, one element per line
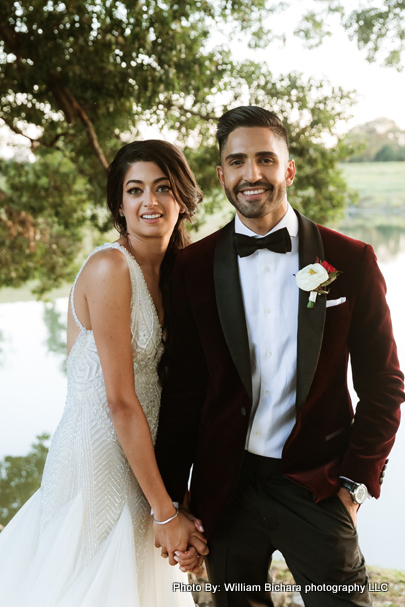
<point>358,491</point>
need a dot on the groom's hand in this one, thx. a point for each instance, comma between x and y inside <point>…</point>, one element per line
<point>350,506</point>
<point>197,522</point>
<point>195,538</point>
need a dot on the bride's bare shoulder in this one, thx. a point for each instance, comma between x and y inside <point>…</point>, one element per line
<point>106,263</point>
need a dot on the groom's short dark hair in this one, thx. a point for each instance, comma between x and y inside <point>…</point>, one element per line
<point>249,116</point>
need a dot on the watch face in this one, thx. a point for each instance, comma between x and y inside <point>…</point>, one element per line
<point>360,493</point>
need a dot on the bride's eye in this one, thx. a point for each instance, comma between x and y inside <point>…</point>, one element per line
<point>134,191</point>
<point>164,188</point>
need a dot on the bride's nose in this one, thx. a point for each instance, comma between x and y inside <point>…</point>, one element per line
<point>149,199</point>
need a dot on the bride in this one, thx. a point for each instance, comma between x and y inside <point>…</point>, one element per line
<point>86,537</point>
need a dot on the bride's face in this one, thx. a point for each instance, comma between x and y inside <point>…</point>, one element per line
<point>148,202</point>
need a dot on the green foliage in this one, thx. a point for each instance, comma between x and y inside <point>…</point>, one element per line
<point>20,477</point>
<point>380,30</point>
<point>312,29</point>
<point>40,220</point>
<point>79,78</point>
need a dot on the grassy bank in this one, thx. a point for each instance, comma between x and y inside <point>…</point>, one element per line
<point>380,184</point>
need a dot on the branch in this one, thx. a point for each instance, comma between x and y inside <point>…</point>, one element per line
<point>10,37</point>
<point>71,108</point>
<point>90,130</point>
<point>63,97</point>
<point>34,142</point>
<point>206,117</point>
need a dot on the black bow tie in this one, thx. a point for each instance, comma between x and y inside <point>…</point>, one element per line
<point>278,241</point>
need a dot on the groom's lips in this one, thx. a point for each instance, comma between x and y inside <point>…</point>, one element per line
<point>254,193</point>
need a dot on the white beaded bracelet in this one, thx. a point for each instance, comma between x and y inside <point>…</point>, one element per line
<point>168,520</point>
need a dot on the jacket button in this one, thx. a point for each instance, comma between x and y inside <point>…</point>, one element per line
<point>382,474</point>
<point>243,411</point>
<point>381,481</point>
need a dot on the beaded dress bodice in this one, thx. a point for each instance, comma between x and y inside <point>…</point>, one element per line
<point>86,457</point>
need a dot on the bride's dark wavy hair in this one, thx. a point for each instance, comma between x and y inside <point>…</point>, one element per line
<point>174,165</point>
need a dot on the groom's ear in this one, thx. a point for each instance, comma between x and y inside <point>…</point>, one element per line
<point>220,174</point>
<point>290,172</point>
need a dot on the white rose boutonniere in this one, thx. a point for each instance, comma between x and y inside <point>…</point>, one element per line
<point>314,278</point>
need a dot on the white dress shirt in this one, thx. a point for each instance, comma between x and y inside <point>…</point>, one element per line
<point>270,296</point>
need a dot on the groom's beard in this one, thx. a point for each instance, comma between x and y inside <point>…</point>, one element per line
<point>252,209</point>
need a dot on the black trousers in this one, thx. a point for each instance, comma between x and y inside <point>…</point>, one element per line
<point>318,541</point>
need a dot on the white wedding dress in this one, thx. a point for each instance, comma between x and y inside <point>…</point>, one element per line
<point>85,537</point>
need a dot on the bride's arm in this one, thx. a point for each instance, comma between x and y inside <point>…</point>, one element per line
<point>107,290</point>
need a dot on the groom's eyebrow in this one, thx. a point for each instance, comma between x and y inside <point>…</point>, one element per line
<point>140,181</point>
<point>242,155</point>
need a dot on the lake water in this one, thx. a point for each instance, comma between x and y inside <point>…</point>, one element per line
<point>33,385</point>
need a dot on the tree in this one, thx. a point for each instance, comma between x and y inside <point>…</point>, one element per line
<point>390,153</point>
<point>20,477</point>
<point>380,30</point>
<point>81,77</point>
<point>378,140</point>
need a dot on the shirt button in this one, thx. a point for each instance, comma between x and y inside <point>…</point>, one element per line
<point>267,269</point>
<point>268,352</point>
<point>267,393</point>
<point>267,310</point>
<point>258,433</point>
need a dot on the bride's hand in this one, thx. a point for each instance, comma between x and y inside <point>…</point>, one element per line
<point>175,536</point>
<point>189,560</point>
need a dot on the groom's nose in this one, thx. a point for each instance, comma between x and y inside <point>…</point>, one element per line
<point>252,172</point>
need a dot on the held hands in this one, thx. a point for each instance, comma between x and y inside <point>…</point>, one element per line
<point>350,506</point>
<point>182,541</point>
<point>192,559</point>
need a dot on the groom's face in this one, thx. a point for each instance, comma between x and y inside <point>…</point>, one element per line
<point>255,172</point>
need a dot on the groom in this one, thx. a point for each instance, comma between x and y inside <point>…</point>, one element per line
<point>257,397</point>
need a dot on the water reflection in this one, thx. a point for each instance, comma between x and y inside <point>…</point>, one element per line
<point>1,349</point>
<point>56,327</point>
<point>387,240</point>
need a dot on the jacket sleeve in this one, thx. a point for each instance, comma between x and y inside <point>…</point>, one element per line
<point>377,379</point>
<point>183,391</point>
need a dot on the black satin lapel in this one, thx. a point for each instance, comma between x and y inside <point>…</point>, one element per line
<point>230,304</point>
<point>310,320</point>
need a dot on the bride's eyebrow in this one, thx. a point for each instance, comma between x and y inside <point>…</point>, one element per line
<point>140,181</point>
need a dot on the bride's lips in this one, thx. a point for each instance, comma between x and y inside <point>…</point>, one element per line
<point>151,218</point>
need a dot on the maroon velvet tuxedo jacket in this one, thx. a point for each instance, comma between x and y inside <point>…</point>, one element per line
<point>206,402</point>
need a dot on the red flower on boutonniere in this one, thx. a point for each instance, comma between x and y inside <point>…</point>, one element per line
<point>330,269</point>
<point>315,277</point>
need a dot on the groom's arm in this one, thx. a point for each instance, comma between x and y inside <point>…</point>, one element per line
<point>377,379</point>
<point>183,392</point>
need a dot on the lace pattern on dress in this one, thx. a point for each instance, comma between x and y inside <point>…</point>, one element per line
<point>86,457</point>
